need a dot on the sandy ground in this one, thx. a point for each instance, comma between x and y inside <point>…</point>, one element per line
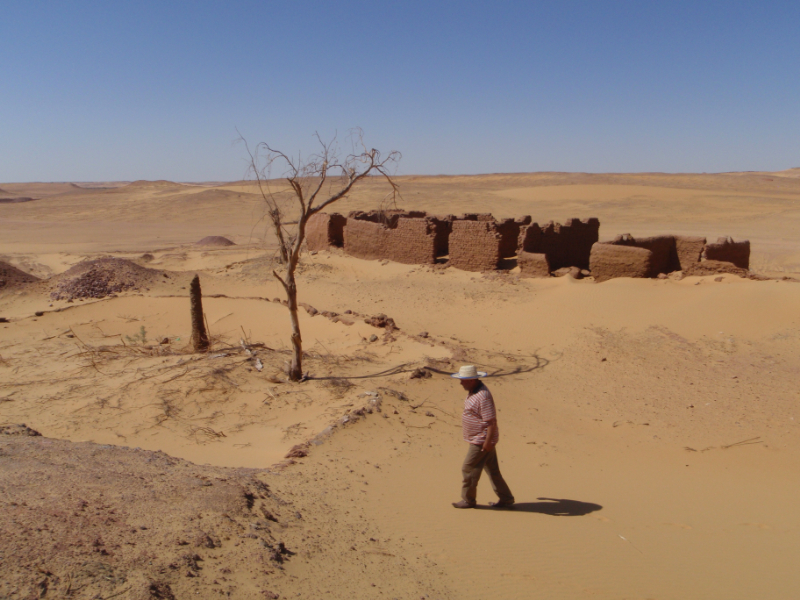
<point>648,427</point>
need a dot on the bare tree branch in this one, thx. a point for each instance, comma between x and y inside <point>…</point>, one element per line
<point>307,180</point>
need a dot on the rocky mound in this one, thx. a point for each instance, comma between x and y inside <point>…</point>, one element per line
<point>215,240</point>
<point>100,278</point>
<point>714,267</point>
<point>18,429</point>
<point>11,277</point>
<point>93,521</point>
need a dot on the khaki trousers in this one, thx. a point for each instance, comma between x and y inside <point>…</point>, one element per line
<point>476,461</point>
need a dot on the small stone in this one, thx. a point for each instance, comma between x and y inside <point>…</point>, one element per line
<point>424,334</point>
<point>40,313</point>
<point>373,338</point>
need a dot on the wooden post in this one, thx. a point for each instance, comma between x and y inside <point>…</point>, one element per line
<point>199,334</point>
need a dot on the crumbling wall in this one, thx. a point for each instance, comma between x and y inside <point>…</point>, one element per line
<point>567,245</point>
<point>608,261</point>
<point>665,254</point>
<point>726,250</point>
<point>324,230</point>
<point>475,245</point>
<point>533,265</point>
<point>477,242</point>
<point>714,267</point>
<point>408,238</point>
<point>509,230</point>
<point>413,242</point>
<point>365,239</point>
<point>688,250</point>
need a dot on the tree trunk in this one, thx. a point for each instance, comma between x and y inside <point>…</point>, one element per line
<point>275,216</point>
<point>296,368</point>
<point>284,254</point>
<point>199,333</point>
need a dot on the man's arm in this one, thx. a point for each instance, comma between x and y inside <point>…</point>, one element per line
<point>489,444</point>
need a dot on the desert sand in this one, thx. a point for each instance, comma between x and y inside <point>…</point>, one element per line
<point>648,426</point>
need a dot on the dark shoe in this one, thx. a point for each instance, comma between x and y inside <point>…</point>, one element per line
<point>464,504</point>
<point>501,504</point>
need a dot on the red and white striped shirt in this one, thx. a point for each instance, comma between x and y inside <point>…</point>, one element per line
<point>478,411</point>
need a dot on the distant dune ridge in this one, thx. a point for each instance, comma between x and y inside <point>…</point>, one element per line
<point>7,197</point>
<point>158,183</point>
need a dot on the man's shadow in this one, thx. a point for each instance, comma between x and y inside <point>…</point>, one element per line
<point>555,507</point>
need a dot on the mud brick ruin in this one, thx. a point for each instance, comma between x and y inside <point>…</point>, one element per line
<point>326,232</point>
<point>626,256</point>
<point>479,242</point>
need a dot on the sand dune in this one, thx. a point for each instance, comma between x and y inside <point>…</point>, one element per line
<point>648,427</point>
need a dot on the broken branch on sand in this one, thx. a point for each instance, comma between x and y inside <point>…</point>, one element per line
<point>748,442</point>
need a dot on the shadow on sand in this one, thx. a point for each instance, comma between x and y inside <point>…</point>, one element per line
<point>555,507</point>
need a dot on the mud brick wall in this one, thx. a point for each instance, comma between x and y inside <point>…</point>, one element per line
<point>403,239</point>
<point>413,241</point>
<point>608,261</point>
<point>365,239</point>
<point>665,254</point>
<point>726,250</point>
<point>567,245</point>
<point>476,217</point>
<point>533,265</point>
<point>509,230</point>
<point>689,250</point>
<point>324,230</point>
<point>475,245</point>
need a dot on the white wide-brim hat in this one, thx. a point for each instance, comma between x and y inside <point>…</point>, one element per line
<point>468,372</point>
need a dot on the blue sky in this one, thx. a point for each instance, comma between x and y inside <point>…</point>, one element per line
<point>143,89</point>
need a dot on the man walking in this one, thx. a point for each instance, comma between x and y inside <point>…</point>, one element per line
<point>479,423</point>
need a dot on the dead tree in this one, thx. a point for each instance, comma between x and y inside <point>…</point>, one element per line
<point>314,183</point>
<point>199,333</point>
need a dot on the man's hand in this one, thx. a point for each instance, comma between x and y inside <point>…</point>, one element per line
<point>488,445</point>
